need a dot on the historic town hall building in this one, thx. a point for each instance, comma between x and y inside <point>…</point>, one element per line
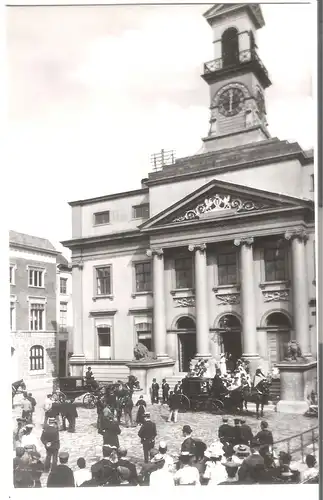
<point>215,252</point>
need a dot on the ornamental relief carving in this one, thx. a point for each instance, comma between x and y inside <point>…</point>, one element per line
<point>184,301</point>
<point>219,203</point>
<point>228,298</point>
<point>276,296</point>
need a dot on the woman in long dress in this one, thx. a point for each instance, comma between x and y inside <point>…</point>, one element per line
<point>223,364</point>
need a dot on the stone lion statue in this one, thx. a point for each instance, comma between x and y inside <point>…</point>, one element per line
<point>293,351</point>
<point>141,352</point>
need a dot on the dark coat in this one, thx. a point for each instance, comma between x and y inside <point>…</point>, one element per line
<point>246,434</point>
<point>174,402</point>
<point>226,432</point>
<point>61,477</point>
<point>140,414</point>
<point>188,445</point>
<point>165,389</point>
<point>252,467</point>
<point>110,432</point>
<point>50,434</point>
<point>103,470</point>
<point>123,462</point>
<point>265,437</point>
<point>68,410</point>
<point>238,434</point>
<point>155,388</point>
<point>147,431</point>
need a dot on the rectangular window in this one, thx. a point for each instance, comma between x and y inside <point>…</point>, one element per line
<point>227,268</point>
<point>102,218</point>
<point>143,277</point>
<point>104,338</point>
<point>103,280</point>
<point>11,275</point>
<point>275,264</point>
<point>36,278</point>
<point>144,334</point>
<point>184,272</point>
<point>36,358</point>
<point>63,317</point>
<point>140,211</point>
<point>36,319</point>
<point>63,285</point>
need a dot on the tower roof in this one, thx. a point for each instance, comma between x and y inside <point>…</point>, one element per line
<point>223,9</point>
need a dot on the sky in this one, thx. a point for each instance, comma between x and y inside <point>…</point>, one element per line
<point>93,91</point>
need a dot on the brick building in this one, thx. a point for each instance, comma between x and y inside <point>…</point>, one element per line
<point>215,252</point>
<point>33,317</point>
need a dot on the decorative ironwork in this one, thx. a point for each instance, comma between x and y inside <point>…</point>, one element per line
<point>159,160</point>
<point>219,203</point>
<point>229,298</point>
<point>184,301</point>
<point>276,296</point>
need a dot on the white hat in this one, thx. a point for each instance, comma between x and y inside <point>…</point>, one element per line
<point>162,444</point>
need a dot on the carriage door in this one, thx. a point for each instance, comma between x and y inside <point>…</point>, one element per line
<point>62,358</point>
<point>104,338</point>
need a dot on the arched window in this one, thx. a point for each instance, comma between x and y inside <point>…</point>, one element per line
<point>36,357</point>
<point>230,47</point>
<point>279,320</point>
<point>229,321</point>
<point>185,323</point>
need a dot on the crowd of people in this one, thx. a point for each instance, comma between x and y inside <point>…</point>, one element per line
<point>236,456</point>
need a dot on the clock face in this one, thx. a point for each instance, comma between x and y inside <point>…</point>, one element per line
<point>261,102</point>
<point>230,101</point>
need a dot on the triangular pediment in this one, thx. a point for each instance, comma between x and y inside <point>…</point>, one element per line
<point>220,9</point>
<point>224,200</point>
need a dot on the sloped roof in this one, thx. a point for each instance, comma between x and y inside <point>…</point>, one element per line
<point>26,240</point>
<point>62,261</point>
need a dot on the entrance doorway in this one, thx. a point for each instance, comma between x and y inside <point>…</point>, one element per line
<point>186,342</point>
<point>278,335</point>
<point>230,336</point>
<point>62,353</point>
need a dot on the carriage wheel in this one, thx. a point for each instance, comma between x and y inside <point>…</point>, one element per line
<point>217,406</point>
<point>59,397</point>
<point>185,403</point>
<point>89,400</point>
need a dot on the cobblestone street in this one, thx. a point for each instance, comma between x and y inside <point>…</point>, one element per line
<point>87,442</point>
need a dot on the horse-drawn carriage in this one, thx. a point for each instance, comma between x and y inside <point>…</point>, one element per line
<point>74,387</point>
<point>18,387</point>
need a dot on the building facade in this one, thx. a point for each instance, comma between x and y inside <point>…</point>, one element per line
<point>215,252</point>
<point>64,310</point>
<point>33,322</point>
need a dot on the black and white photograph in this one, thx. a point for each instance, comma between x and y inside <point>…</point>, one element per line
<point>163,245</point>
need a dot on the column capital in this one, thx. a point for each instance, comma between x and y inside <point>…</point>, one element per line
<point>154,251</point>
<point>248,241</point>
<point>78,265</point>
<point>298,233</point>
<point>193,248</point>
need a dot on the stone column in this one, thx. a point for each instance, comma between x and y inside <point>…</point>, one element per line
<point>298,239</point>
<point>159,312</point>
<point>77,360</point>
<point>248,303</point>
<point>201,301</point>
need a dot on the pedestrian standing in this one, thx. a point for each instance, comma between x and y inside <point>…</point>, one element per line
<point>69,413</point>
<point>188,444</point>
<point>165,391</point>
<point>174,404</point>
<point>128,406</point>
<point>154,391</point>
<point>141,403</point>
<point>110,431</point>
<point>61,476</point>
<point>238,437</point>
<point>82,474</point>
<point>50,439</point>
<point>246,432</point>
<point>27,408</point>
<point>265,437</point>
<point>47,407</point>
<point>147,434</point>
<point>36,468</point>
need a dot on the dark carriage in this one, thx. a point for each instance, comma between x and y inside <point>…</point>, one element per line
<point>198,395</point>
<point>74,387</point>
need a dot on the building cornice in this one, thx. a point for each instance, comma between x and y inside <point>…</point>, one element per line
<point>102,313</point>
<point>32,249</point>
<point>102,239</point>
<point>109,197</point>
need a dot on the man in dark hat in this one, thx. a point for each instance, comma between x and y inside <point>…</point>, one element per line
<point>237,432</point>
<point>188,444</point>
<point>225,432</point>
<point>174,403</point>
<point>69,413</point>
<point>50,439</point>
<point>61,476</point>
<point>253,467</point>
<point>165,391</point>
<point>147,434</point>
<point>246,432</point>
<point>154,391</point>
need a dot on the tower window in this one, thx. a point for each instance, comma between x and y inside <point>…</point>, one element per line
<point>230,47</point>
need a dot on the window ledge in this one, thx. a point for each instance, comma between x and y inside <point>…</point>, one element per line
<point>38,287</point>
<point>34,373</point>
<point>226,287</point>
<point>136,294</point>
<point>98,297</point>
<point>182,290</point>
<point>267,284</point>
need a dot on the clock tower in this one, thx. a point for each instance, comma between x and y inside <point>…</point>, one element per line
<point>237,78</point>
